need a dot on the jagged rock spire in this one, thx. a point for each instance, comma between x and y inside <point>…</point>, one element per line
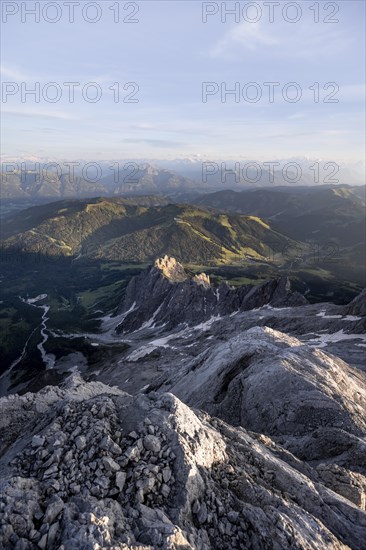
<point>202,279</point>
<point>171,269</point>
<point>166,295</point>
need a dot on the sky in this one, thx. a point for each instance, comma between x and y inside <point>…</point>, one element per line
<point>163,56</point>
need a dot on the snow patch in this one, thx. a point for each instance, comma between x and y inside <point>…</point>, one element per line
<point>322,340</point>
<point>207,324</point>
<point>351,318</point>
<point>110,322</point>
<point>154,344</point>
<point>323,314</point>
<point>150,323</point>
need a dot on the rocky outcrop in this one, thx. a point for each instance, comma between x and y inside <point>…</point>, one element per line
<point>308,401</point>
<point>165,295</point>
<point>96,468</point>
<point>272,383</point>
<point>357,306</point>
<point>202,279</point>
<point>171,269</point>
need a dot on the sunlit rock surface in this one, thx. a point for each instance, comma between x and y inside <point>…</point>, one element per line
<point>88,466</point>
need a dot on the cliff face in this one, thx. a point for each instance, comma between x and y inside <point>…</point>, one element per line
<point>165,294</point>
<point>89,466</point>
<point>358,305</point>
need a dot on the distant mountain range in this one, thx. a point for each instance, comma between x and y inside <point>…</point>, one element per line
<point>239,173</point>
<point>129,179</point>
<point>129,230</point>
<point>322,227</point>
<point>319,213</point>
<point>331,220</point>
<point>19,180</point>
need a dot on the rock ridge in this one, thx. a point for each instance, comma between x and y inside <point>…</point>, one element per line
<point>165,295</point>
<point>104,469</point>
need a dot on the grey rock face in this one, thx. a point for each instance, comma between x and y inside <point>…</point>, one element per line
<point>165,295</point>
<point>37,441</point>
<point>120,480</point>
<point>196,483</point>
<point>152,443</point>
<point>80,442</point>
<point>272,383</point>
<point>357,306</point>
<point>308,401</point>
<point>110,464</point>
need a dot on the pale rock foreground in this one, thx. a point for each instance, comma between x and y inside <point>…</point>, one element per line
<point>308,401</point>
<point>88,466</point>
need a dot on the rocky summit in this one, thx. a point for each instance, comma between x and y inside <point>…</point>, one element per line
<point>89,466</point>
<point>165,294</point>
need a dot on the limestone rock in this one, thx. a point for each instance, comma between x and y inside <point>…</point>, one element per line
<point>152,443</point>
<point>165,294</point>
<point>196,482</point>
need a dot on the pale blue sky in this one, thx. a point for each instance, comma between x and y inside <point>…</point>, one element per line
<point>169,53</point>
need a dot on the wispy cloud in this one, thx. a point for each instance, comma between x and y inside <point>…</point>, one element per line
<point>296,116</point>
<point>321,133</point>
<point>13,72</point>
<point>247,37</point>
<point>105,80</point>
<point>37,113</point>
<point>300,40</point>
<point>155,142</point>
